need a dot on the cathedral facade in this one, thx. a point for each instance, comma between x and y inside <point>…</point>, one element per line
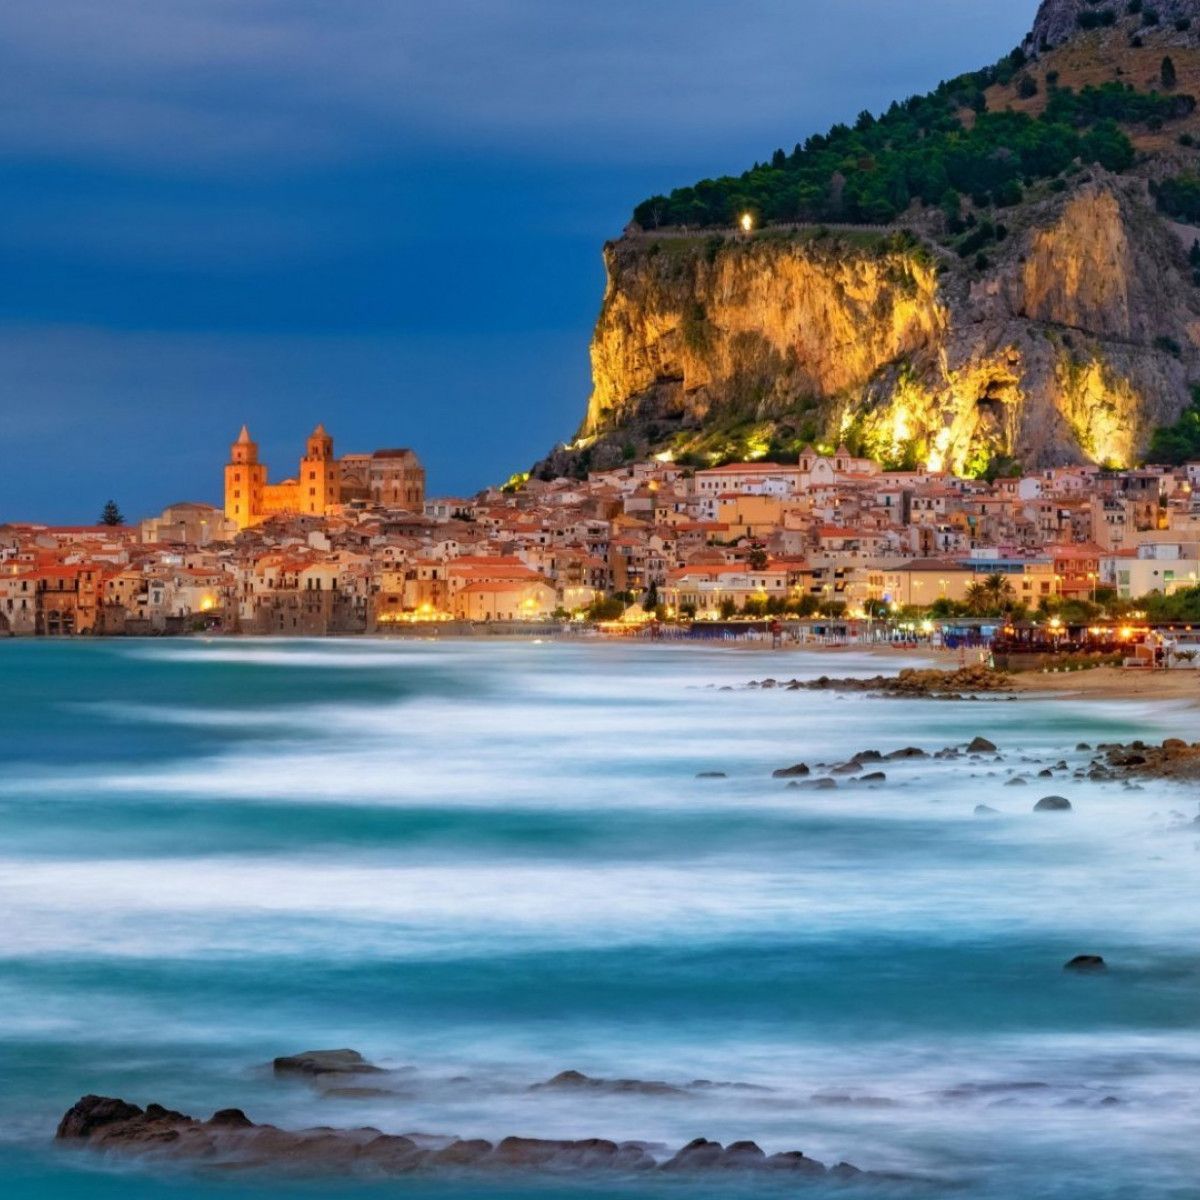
<point>323,483</point>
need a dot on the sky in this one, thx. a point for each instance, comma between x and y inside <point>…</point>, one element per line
<point>380,214</point>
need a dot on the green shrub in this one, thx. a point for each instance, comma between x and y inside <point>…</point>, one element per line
<point>1178,443</point>
<point>1179,197</point>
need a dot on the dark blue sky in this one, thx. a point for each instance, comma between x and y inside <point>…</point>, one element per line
<point>382,214</point>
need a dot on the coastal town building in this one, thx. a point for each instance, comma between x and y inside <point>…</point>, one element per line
<point>352,544</point>
<point>323,483</point>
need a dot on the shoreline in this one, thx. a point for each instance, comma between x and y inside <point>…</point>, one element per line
<point>1112,683</point>
<point>1091,684</point>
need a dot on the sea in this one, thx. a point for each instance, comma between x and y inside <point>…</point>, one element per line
<point>482,863</point>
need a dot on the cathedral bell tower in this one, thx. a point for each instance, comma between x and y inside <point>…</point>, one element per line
<point>319,474</point>
<point>245,478</point>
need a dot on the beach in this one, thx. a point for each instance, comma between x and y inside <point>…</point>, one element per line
<point>1113,683</point>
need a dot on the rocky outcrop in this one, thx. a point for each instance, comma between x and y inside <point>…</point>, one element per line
<point>1175,759</point>
<point>701,323</point>
<point>1076,340</point>
<point>1057,21</point>
<point>1070,336</point>
<point>913,682</point>
<point>230,1139</point>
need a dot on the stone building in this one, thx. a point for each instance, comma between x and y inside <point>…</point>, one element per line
<point>323,483</point>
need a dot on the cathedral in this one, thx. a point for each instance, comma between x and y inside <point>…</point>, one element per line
<point>388,478</point>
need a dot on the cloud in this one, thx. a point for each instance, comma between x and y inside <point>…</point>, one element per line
<point>247,85</point>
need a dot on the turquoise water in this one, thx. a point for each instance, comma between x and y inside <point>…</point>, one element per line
<point>482,864</point>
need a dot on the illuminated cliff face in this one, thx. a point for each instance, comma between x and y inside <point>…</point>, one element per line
<point>1073,344</point>
<point>1077,271</point>
<point>771,318</point>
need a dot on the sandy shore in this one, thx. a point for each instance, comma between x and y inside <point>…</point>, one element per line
<point>1099,683</point>
<point>1113,683</point>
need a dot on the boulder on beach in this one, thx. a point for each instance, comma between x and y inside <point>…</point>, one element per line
<point>1052,804</point>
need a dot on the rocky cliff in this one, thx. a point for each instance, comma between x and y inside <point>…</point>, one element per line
<point>1072,338</point>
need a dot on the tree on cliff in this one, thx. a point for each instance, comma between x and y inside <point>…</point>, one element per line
<point>111,514</point>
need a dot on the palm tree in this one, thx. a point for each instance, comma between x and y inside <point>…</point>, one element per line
<point>999,592</point>
<point>990,597</point>
<point>978,600</point>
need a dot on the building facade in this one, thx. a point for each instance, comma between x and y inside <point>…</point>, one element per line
<point>323,483</point>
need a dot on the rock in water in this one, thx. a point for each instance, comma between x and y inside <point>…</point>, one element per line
<point>816,785</point>
<point>325,1062</point>
<point>574,1081</point>
<point>229,1140</point>
<point>1086,962</point>
<point>906,752</point>
<point>94,1112</point>
<point>793,772</point>
<point>986,810</point>
<point>980,745</point>
<point>1052,804</point>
